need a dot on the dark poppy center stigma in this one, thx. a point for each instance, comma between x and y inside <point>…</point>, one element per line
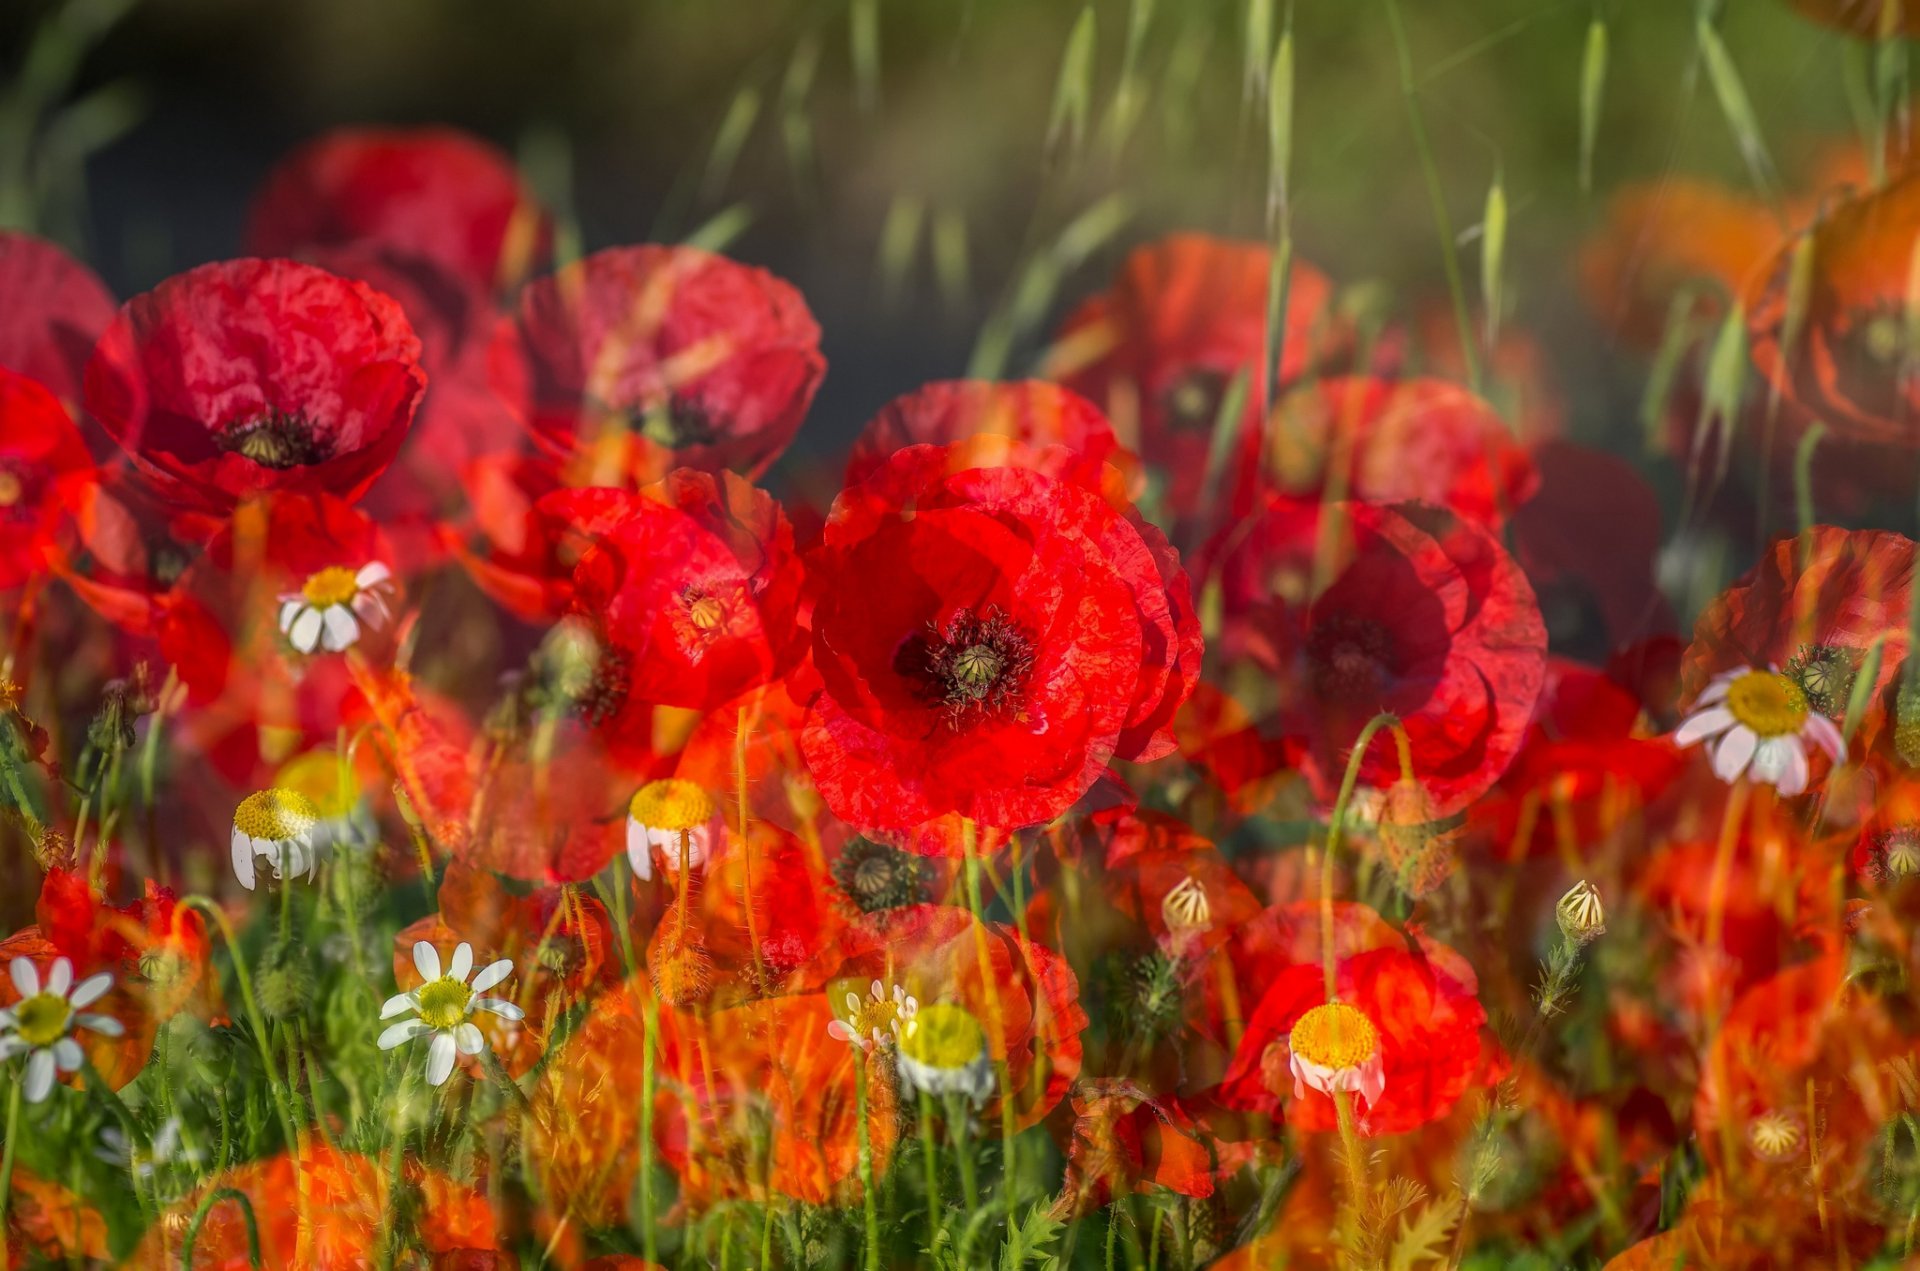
<point>1350,658</point>
<point>976,663</point>
<point>678,425</point>
<point>277,440</point>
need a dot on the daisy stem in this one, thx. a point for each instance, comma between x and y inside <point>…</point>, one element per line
<point>502,1078</point>
<point>1355,1162</point>
<point>651,1010</point>
<point>256,1025</point>
<point>6,1164</point>
<point>870,1252</point>
<point>286,910</point>
<point>970,848</point>
<point>1336,826</point>
<point>396,1146</point>
<point>935,1210</point>
<point>963,1152</point>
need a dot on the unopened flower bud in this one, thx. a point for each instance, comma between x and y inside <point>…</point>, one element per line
<point>1582,919</point>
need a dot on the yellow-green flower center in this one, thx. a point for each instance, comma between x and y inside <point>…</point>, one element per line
<point>323,780</point>
<point>334,585</point>
<point>1334,1036</point>
<point>278,814</point>
<point>945,1036</point>
<point>443,1003</point>
<point>1767,702</point>
<point>672,803</point>
<point>41,1020</point>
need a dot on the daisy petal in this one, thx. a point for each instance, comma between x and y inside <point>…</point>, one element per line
<point>440,1059</point>
<point>426,960</point>
<point>59,977</point>
<point>405,1031</point>
<point>243,858</point>
<point>39,1081</point>
<point>105,1025</point>
<point>1793,778</point>
<point>26,977</point>
<point>91,990</point>
<point>499,1006</point>
<point>462,965</point>
<point>67,1055</point>
<point>397,1003</point>
<point>305,634</point>
<point>1734,751</point>
<point>1713,720</point>
<point>469,1039</point>
<point>339,628</point>
<point>1823,733</point>
<point>491,974</point>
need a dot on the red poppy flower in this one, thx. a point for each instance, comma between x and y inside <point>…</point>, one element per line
<point>694,590</point>
<point>1847,366</point>
<point>47,1223</point>
<point>551,810</point>
<point>986,655</point>
<point>1413,1018</point>
<point>1814,607</point>
<point>149,944</point>
<point>1122,1141</point>
<point>1428,618</point>
<point>249,376</point>
<point>124,553</point>
<point>56,310</point>
<point>44,469</point>
<point>1160,349</point>
<point>638,360</point>
<point>315,1207</point>
<point>526,533</point>
<point>1662,238</point>
<point>1030,411</point>
<point>1024,998</point>
<point>288,579</point>
<point>432,192</point>
<point>1390,441</point>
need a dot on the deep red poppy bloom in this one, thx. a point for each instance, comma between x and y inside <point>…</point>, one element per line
<point>1813,607</point>
<point>125,552</point>
<point>149,944</point>
<point>433,192</point>
<point>44,469</point>
<point>1122,1141</point>
<point>1847,367</point>
<point>248,376</point>
<point>56,310</point>
<point>694,590</point>
<point>638,360</point>
<point>1425,616</point>
<point>1425,1019</point>
<point>1031,411</point>
<point>1159,350</point>
<point>1390,441</point>
<point>987,653</point>
<point>327,1208</point>
<point>1661,238</point>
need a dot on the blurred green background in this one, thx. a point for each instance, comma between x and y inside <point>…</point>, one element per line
<point>892,157</point>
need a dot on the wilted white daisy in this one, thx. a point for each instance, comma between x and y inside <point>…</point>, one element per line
<point>279,825</point>
<point>40,1023</point>
<point>164,1148</point>
<point>1759,724</point>
<point>943,1050</point>
<point>443,1004</point>
<point>877,1020</point>
<point>332,605</point>
<point>659,814</point>
<point>1336,1047</point>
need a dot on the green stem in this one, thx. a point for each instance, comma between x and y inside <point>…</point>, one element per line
<point>207,1203</point>
<point>1336,826</point>
<point>935,1210</point>
<point>648,1237</point>
<point>6,1164</point>
<point>871,1244</point>
<point>396,1148</point>
<point>254,1020</point>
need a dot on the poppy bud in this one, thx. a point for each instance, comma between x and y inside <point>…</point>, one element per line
<point>1582,919</point>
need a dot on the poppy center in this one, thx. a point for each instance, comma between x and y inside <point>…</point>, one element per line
<point>275,814</point>
<point>1900,851</point>
<point>1193,401</point>
<point>1334,1036</point>
<point>1825,674</point>
<point>671,803</point>
<point>277,440</point>
<point>41,1020</point>
<point>1774,1134</point>
<point>334,585</point>
<point>976,663</point>
<point>1186,907</point>
<point>678,425</point>
<point>705,612</point>
<point>1767,702</point>
<point>944,1036</point>
<point>443,1003</point>
<point>1350,658</point>
<point>875,876</point>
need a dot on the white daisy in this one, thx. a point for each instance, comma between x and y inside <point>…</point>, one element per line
<point>876,1021</point>
<point>1758,724</point>
<point>943,1051</point>
<point>278,824</point>
<point>442,1006</point>
<point>164,1148</point>
<point>332,605</point>
<point>1336,1047</point>
<point>40,1023</point>
<point>659,815</point>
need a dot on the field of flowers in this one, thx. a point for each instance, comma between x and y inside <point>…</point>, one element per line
<point>1246,769</point>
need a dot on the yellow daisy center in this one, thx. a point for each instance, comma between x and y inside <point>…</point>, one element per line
<point>12,489</point>
<point>1334,1036</point>
<point>41,1020</point>
<point>276,814</point>
<point>672,803</point>
<point>320,777</point>
<point>1769,703</point>
<point>945,1036</point>
<point>334,585</point>
<point>443,1003</point>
